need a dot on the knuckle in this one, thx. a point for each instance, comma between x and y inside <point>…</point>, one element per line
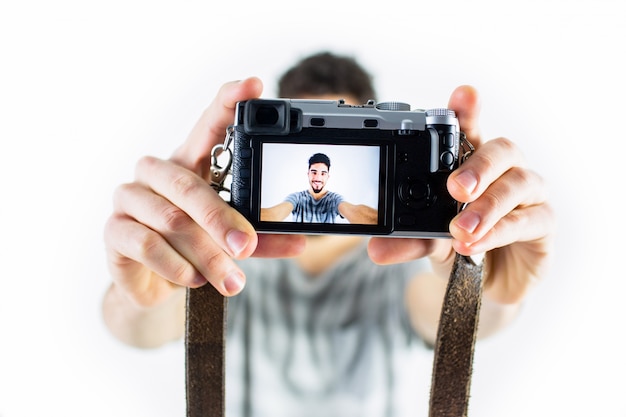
<point>183,274</point>
<point>483,160</point>
<point>144,163</point>
<point>174,219</point>
<point>214,260</point>
<point>186,184</point>
<point>517,183</point>
<point>148,245</point>
<point>508,147</point>
<point>120,193</point>
<point>528,184</point>
<point>516,219</point>
<point>491,201</point>
<point>506,144</point>
<point>213,217</point>
<point>522,176</point>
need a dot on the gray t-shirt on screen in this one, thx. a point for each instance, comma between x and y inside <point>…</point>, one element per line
<point>306,209</point>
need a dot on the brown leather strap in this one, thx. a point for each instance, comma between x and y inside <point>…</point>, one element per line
<point>454,348</point>
<point>205,357</point>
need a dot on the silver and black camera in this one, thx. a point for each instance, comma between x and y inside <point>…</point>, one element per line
<point>384,158</point>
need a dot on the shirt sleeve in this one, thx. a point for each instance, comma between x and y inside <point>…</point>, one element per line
<point>337,199</point>
<point>294,199</point>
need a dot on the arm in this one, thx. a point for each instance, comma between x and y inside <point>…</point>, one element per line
<point>276,213</point>
<point>424,298</point>
<point>358,214</point>
<point>508,219</point>
<point>144,326</point>
<point>170,230</point>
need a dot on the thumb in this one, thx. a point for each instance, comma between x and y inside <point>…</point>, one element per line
<point>465,102</point>
<point>210,129</point>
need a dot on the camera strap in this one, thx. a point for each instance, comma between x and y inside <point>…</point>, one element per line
<point>205,337</point>
<point>456,337</point>
<point>453,356</point>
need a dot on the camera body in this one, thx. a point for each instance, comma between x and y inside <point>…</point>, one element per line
<point>396,158</point>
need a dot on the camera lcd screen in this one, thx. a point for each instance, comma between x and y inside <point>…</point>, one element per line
<point>298,187</point>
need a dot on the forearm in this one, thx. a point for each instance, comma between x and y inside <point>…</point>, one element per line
<point>425,296</point>
<point>495,316</point>
<point>358,214</point>
<point>276,213</point>
<point>144,327</point>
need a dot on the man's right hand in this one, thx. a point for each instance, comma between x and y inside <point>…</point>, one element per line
<point>170,229</point>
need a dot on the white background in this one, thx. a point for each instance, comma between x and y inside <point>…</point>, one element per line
<point>88,87</point>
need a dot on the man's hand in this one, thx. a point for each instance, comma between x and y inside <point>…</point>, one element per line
<point>508,216</point>
<point>170,229</point>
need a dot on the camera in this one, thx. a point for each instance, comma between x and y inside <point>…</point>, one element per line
<point>388,162</point>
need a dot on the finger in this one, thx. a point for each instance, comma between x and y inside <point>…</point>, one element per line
<point>173,245</point>
<point>465,102</point>
<point>485,166</point>
<point>516,189</point>
<point>195,197</point>
<point>132,245</point>
<point>524,224</point>
<point>384,250</point>
<point>279,246</point>
<point>210,129</point>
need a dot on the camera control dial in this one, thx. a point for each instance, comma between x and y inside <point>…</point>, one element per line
<point>393,106</point>
<point>440,112</point>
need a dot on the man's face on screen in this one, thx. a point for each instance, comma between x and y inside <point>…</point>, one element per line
<point>318,175</point>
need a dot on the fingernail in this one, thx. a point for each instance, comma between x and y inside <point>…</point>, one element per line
<point>234,283</point>
<point>467,180</point>
<point>468,221</point>
<point>237,242</point>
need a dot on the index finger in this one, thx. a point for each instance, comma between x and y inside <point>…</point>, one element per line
<point>210,129</point>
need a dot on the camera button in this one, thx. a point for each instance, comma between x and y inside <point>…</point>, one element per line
<point>447,159</point>
<point>414,195</point>
<point>318,121</point>
<point>418,191</point>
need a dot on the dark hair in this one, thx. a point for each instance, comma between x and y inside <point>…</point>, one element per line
<point>326,73</point>
<point>319,158</point>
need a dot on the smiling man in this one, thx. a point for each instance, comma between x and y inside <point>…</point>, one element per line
<point>317,204</point>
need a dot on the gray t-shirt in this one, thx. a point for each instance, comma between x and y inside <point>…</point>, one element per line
<point>339,344</point>
<point>306,209</point>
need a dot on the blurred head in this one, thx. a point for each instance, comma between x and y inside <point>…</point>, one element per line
<point>327,76</point>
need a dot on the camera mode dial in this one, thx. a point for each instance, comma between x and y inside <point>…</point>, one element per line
<point>442,112</point>
<point>393,106</point>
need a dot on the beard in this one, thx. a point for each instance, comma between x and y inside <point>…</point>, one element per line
<point>317,188</point>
